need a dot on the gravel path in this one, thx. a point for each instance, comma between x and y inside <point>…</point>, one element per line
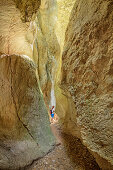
<point>70,154</point>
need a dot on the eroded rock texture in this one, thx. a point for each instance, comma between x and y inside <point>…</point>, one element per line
<point>27,48</point>
<point>24,126</point>
<point>64,8</point>
<point>87,73</point>
<point>13,31</point>
<point>28,28</point>
<point>47,45</point>
<point>27,8</point>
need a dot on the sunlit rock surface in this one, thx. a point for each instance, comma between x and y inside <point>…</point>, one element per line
<point>25,131</point>
<point>28,28</point>
<point>87,73</point>
<point>47,45</point>
<point>64,8</point>
<point>32,35</point>
<point>13,30</point>
<point>24,53</point>
<point>63,106</point>
<point>27,8</point>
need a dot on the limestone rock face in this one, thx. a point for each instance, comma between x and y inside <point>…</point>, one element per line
<point>27,8</point>
<point>64,104</point>
<point>25,132</point>
<point>28,45</point>
<point>64,8</point>
<point>13,31</point>
<point>28,28</point>
<point>47,44</point>
<point>87,73</point>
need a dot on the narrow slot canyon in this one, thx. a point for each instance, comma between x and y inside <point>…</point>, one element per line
<point>56,84</point>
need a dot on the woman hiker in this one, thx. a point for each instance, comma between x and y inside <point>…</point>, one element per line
<point>52,114</point>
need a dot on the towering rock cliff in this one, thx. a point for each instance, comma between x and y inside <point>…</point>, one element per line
<point>25,53</point>
<point>48,48</point>
<point>87,75</point>
<point>32,36</point>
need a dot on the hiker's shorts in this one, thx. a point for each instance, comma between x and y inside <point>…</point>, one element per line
<point>52,115</point>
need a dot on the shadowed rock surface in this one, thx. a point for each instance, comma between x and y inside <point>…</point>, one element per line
<point>87,73</point>
<point>32,35</point>
<point>25,132</point>
<point>70,154</point>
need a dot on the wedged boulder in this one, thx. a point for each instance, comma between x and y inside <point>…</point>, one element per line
<point>25,133</point>
<point>87,73</point>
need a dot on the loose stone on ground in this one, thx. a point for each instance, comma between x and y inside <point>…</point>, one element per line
<point>69,154</point>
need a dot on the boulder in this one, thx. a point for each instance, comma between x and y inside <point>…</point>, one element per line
<point>25,133</point>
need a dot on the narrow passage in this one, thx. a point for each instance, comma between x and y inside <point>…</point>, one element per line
<point>69,154</point>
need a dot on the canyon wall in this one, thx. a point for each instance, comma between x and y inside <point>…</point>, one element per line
<point>27,49</point>
<point>63,104</point>
<point>32,36</point>
<point>48,48</point>
<point>87,77</point>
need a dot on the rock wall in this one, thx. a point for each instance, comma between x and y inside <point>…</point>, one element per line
<point>25,132</point>
<point>63,102</point>
<point>12,30</point>
<point>64,8</point>
<point>47,45</point>
<point>27,8</point>
<point>87,74</point>
<point>31,43</point>
<point>28,28</point>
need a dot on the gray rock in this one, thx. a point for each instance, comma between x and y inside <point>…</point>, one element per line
<point>25,133</point>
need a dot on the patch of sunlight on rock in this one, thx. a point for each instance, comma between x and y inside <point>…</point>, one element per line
<point>64,11</point>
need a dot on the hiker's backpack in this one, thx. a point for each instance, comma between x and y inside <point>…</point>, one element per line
<point>51,112</point>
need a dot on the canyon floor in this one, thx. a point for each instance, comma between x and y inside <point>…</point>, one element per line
<point>68,154</point>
